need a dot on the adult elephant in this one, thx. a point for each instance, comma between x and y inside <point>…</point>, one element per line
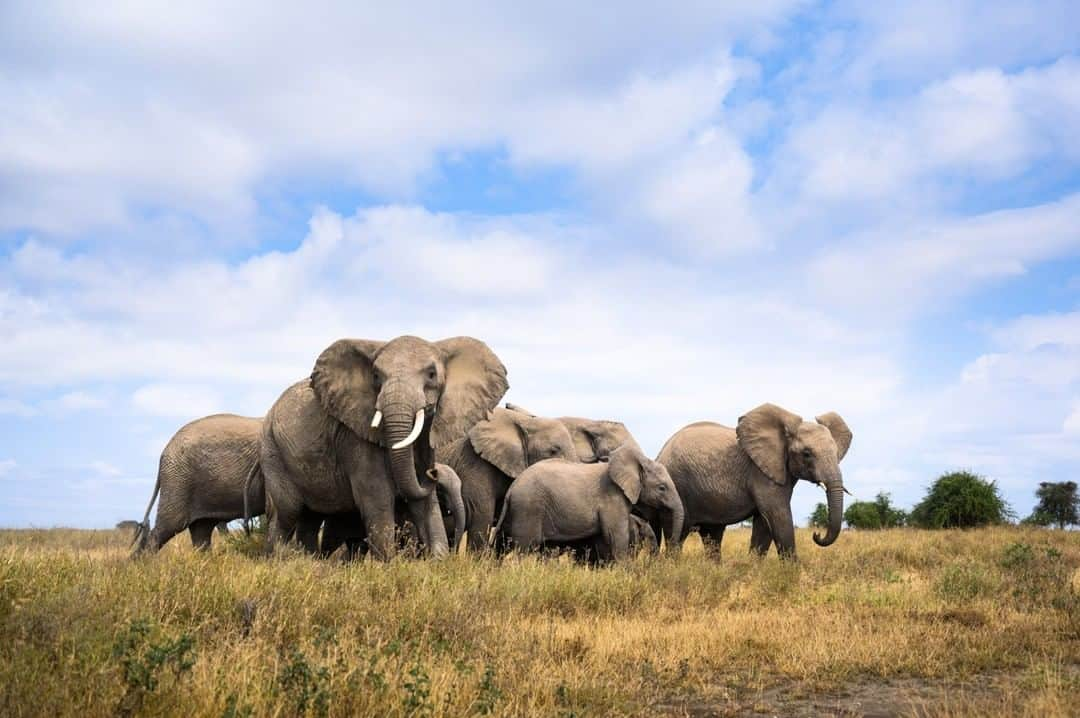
<point>362,430</point>
<point>726,475</point>
<point>594,439</point>
<point>201,478</point>
<point>493,453</point>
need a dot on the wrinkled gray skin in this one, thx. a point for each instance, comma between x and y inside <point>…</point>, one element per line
<point>496,451</point>
<point>201,478</point>
<point>594,552</point>
<point>561,501</point>
<point>726,475</point>
<point>348,529</point>
<point>320,452</point>
<point>594,439</point>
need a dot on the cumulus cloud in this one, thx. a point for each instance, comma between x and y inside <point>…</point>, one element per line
<point>899,271</point>
<point>176,400</point>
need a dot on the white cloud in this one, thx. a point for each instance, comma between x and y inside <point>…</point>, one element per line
<point>105,469</point>
<point>984,123</point>
<point>16,407</point>
<point>76,401</point>
<point>177,400</point>
<point>371,98</point>
<point>1072,421</point>
<point>899,271</point>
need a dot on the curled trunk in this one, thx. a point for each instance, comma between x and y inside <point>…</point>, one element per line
<point>398,424</point>
<point>835,491</point>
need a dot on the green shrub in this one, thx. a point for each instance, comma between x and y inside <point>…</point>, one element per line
<point>961,499</point>
<point>820,516</point>
<point>876,514</point>
<point>1059,504</point>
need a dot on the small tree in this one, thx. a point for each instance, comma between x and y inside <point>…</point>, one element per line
<point>820,516</point>
<point>961,499</point>
<point>876,514</point>
<point>1058,504</point>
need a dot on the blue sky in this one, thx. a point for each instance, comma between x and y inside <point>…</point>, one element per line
<point>654,215</point>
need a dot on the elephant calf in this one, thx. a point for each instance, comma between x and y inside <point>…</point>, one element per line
<point>593,551</point>
<point>202,476</point>
<point>563,501</point>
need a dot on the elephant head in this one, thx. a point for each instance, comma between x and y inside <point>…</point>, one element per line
<point>594,439</point>
<point>786,448</point>
<point>393,393</point>
<point>642,535</point>
<point>512,441</point>
<point>645,481</point>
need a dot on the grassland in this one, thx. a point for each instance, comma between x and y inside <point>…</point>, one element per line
<point>883,623</point>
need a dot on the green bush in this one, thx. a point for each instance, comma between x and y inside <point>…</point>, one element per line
<point>1059,504</point>
<point>961,499</point>
<point>876,514</point>
<point>820,516</point>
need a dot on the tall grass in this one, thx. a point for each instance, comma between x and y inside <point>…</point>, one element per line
<point>86,631</point>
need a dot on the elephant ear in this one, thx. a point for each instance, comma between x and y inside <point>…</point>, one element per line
<point>841,434</point>
<point>584,439</point>
<point>764,434</point>
<point>475,381</point>
<point>499,441</point>
<point>343,382</point>
<point>624,468</point>
<point>519,409</point>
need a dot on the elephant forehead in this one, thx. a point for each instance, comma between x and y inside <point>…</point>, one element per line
<point>814,436</point>
<point>405,352</point>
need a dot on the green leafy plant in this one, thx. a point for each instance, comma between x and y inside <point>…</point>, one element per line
<point>876,514</point>
<point>143,654</point>
<point>307,685</point>
<point>1059,504</point>
<point>961,499</point>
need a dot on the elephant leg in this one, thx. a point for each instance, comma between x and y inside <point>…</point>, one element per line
<point>307,531</point>
<point>481,517</point>
<point>782,529</point>
<point>616,537</point>
<point>426,515</point>
<point>760,536</point>
<point>283,501</point>
<point>201,530</point>
<point>160,535</point>
<point>711,538</point>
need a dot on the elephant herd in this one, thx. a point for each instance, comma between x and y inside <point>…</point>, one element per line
<point>402,442</point>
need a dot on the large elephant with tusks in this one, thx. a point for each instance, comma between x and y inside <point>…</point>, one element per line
<point>362,431</point>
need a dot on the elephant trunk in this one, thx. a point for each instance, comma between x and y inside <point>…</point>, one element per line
<point>675,525</point>
<point>452,487</point>
<point>835,490</point>
<point>398,425</point>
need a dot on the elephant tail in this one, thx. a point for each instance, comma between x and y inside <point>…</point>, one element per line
<point>247,486</point>
<point>142,531</point>
<point>493,539</point>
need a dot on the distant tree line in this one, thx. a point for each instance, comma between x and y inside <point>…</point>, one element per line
<point>961,499</point>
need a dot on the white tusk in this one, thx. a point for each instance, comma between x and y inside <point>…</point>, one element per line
<point>376,420</point>
<point>417,426</point>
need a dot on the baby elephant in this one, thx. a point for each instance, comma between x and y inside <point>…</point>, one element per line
<point>560,501</point>
<point>593,551</point>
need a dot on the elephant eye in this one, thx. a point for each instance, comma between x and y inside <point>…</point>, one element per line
<point>807,453</point>
<point>432,374</point>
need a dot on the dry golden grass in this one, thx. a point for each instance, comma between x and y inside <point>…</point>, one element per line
<point>892,622</point>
